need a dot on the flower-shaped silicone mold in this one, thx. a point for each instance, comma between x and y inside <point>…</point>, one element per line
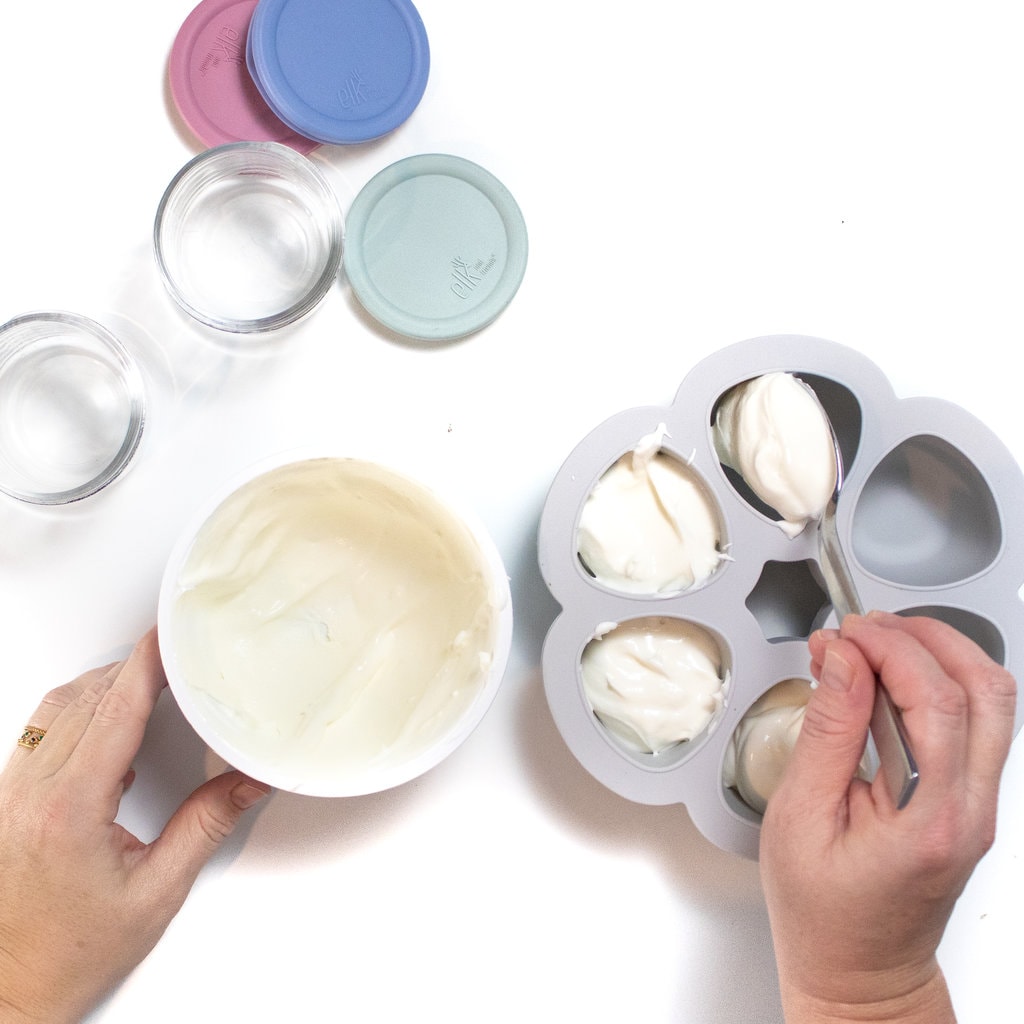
<point>924,517</point>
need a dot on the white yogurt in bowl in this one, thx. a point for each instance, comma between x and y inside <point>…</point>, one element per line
<point>334,627</point>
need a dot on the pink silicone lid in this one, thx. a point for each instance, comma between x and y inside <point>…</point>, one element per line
<point>211,85</point>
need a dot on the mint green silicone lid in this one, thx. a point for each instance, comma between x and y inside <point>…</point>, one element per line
<point>435,247</point>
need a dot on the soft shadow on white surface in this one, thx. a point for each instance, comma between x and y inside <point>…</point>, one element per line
<point>535,608</point>
<point>191,362</point>
<point>296,830</point>
<point>724,888</point>
<point>172,762</point>
<point>25,529</point>
<point>740,985</point>
<point>286,830</point>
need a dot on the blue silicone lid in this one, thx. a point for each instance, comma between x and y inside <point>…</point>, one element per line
<point>435,247</point>
<point>339,71</point>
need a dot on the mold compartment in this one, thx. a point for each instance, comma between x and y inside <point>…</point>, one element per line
<point>788,600</point>
<point>981,630</point>
<point>650,525</point>
<point>760,746</point>
<point>844,413</point>
<point>657,686</point>
<point>925,517</point>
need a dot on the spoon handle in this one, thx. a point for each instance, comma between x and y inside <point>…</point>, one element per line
<point>896,758</point>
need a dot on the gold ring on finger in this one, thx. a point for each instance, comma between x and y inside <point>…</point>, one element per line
<point>31,737</point>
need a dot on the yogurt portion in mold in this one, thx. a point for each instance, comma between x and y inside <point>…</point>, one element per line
<point>762,744</point>
<point>771,431</point>
<point>650,526</point>
<point>654,682</point>
<point>333,622</point>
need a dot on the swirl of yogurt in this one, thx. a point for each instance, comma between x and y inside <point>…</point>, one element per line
<point>655,681</point>
<point>649,525</point>
<point>336,620</point>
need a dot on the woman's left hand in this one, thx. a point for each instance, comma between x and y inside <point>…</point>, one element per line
<point>82,900</point>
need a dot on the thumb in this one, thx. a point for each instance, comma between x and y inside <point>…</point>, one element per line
<point>203,822</point>
<point>828,751</point>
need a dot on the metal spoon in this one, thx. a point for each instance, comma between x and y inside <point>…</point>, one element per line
<point>896,758</point>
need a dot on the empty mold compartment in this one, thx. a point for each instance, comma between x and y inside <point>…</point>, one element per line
<point>984,632</point>
<point>922,518</point>
<point>926,516</point>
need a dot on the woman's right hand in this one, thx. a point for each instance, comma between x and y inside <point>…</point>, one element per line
<point>859,893</point>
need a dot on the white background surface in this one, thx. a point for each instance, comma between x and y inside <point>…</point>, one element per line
<point>691,175</point>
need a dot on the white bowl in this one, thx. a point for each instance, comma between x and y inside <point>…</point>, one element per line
<point>332,626</point>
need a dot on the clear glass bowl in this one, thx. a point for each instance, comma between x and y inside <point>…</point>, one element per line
<point>248,237</point>
<point>72,407</point>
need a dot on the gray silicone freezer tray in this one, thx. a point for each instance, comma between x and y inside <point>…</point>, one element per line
<point>927,517</point>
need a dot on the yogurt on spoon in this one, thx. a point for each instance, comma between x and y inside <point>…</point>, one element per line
<point>771,431</point>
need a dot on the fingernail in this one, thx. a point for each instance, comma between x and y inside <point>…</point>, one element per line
<point>879,616</point>
<point>245,794</point>
<point>836,671</point>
